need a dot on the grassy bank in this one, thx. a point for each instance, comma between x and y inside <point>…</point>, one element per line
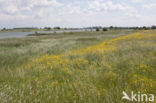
<point>88,67</point>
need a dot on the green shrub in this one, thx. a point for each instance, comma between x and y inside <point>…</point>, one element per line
<point>105,29</point>
<point>97,29</point>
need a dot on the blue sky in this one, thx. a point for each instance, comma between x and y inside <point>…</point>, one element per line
<point>77,13</point>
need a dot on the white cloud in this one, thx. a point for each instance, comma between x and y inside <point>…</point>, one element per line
<point>136,1</point>
<point>102,6</point>
<point>10,10</point>
<point>9,7</point>
<point>70,9</point>
<point>42,3</point>
<point>96,6</point>
<point>13,7</point>
<point>134,14</point>
<point>149,6</point>
<point>51,12</point>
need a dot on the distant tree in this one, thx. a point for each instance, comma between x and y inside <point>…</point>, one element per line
<point>145,28</point>
<point>3,29</point>
<point>136,27</point>
<point>105,29</point>
<point>47,28</point>
<point>57,28</point>
<point>140,28</point>
<point>36,32</point>
<point>115,28</point>
<point>133,28</point>
<point>153,27</point>
<point>97,29</point>
<point>111,27</point>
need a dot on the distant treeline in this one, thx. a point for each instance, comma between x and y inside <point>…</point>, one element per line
<point>97,28</point>
<point>30,28</point>
<point>115,27</point>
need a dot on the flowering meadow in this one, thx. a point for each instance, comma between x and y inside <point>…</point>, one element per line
<point>94,74</point>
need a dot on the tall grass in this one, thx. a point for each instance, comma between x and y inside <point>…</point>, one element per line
<point>96,74</point>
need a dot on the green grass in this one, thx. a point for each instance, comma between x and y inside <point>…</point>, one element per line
<point>26,48</point>
<point>86,78</point>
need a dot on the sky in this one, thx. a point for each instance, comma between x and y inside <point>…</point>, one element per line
<point>77,13</point>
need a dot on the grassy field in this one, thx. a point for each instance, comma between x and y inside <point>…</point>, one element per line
<point>83,67</point>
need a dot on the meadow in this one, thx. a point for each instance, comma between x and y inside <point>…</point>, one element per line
<point>82,67</point>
